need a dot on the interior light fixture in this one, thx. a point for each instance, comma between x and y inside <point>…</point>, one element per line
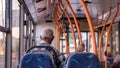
<point>38,1</point>
<point>41,9</point>
<point>88,1</point>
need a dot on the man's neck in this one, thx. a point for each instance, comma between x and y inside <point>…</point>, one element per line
<point>43,41</point>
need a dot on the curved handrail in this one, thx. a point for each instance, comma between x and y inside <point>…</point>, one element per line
<point>101,33</point>
<point>108,31</point>
<point>75,20</point>
<point>55,18</point>
<point>67,45</point>
<point>69,21</point>
<point>90,25</point>
<point>60,25</point>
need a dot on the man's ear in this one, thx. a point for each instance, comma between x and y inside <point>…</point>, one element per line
<point>52,38</point>
<point>40,37</point>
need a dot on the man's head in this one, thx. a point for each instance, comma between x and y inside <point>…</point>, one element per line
<point>47,35</point>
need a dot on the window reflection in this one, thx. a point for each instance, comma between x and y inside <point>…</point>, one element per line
<point>71,42</point>
<point>2,13</point>
<point>2,49</point>
<point>115,40</point>
<point>15,32</point>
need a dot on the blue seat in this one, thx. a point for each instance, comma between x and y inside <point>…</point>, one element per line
<point>82,60</point>
<point>42,56</point>
<point>36,60</point>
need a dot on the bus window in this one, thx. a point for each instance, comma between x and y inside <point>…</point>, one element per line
<point>2,49</point>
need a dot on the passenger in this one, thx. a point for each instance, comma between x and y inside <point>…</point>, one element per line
<point>47,36</point>
<point>116,62</point>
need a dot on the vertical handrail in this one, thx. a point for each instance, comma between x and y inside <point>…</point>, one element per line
<point>100,23</point>
<point>69,21</point>
<point>75,20</point>
<point>67,46</point>
<point>56,19</point>
<point>101,34</point>
<point>57,24</point>
<point>108,32</point>
<point>60,25</point>
<point>57,39</point>
<point>90,25</point>
<point>59,13</point>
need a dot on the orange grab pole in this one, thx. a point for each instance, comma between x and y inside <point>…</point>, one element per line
<point>108,31</point>
<point>67,52</point>
<point>57,46</point>
<point>59,25</point>
<point>60,14</point>
<point>64,10</point>
<point>67,43</point>
<point>100,23</point>
<point>55,20</point>
<point>76,22</point>
<point>90,25</point>
<point>101,33</point>
<point>67,46</point>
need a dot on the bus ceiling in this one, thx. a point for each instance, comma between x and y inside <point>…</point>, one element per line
<point>43,9</point>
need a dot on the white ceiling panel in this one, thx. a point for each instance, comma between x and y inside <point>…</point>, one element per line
<point>40,4</point>
<point>31,7</point>
<point>74,1</point>
<point>28,1</point>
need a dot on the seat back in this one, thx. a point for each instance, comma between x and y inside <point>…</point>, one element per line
<point>36,60</point>
<point>82,60</point>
